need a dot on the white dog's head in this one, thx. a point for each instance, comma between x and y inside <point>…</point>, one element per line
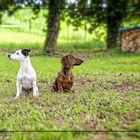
<point>20,55</point>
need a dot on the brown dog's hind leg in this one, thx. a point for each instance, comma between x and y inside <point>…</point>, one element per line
<point>57,87</point>
<point>60,88</point>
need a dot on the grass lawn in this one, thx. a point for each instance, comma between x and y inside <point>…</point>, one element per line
<point>106,97</point>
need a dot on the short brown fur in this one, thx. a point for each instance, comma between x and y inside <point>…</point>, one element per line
<point>65,78</point>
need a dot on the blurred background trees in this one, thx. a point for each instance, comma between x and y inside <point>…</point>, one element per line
<point>87,14</point>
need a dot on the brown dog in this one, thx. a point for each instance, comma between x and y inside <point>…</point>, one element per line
<point>65,78</point>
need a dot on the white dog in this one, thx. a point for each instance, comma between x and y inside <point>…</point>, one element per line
<point>26,77</point>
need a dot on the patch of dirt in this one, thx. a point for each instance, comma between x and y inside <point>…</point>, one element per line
<point>126,86</point>
<point>100,136</point>
<point>82,84</point>
<point>44,86</point>
<point>103,51</point>
<point>83,54</point>
<point>128,120</point>
<point>80,54</point>
<point>4,52</point>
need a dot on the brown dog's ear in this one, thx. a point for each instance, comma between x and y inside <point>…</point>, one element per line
<point>65,62</point>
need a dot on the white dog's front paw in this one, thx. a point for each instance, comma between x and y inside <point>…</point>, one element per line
<point>36,94</point>
<point>17,96</point>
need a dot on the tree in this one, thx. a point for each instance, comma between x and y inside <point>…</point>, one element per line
<point>54,8</point>
<point>115,14</point>
<point>52,19</point>
<point>53,25</point>
<point>11,6</point>
<point>96,13</point>
<point>79,13</point>
<point>5,5</point>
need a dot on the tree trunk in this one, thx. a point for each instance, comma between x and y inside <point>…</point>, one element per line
<point>0,18</point>
<point>53,26</point>
<point>112,35</point>
<point>114,19</point>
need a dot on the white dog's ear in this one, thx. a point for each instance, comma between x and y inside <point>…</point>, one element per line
<point>25,52</point>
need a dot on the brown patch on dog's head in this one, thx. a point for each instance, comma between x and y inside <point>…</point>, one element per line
<point>69,61</point>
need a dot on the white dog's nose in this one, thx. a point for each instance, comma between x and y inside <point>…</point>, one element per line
<point>9,55</point>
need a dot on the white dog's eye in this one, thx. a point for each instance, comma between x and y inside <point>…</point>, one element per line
<point>17,53</point>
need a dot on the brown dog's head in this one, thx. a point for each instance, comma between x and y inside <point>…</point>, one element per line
<point>69,61</point>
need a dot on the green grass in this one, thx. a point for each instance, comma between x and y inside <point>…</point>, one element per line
<point>13,40</point>
<point>106,97</point>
